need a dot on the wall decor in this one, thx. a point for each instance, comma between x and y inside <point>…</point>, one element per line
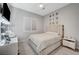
<point>53,14</point>
<point>56,13</point>
<point>53,18</point>
<point>50,16</point>
<point>56,17</point>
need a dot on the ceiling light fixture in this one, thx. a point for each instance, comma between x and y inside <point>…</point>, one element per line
<point>42,6</point>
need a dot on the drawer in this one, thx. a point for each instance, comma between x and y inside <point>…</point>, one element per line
<point>69,44</point>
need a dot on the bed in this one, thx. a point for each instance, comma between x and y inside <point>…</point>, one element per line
<point>45,43</point>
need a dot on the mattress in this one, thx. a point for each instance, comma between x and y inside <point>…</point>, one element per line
<point>44,40</point>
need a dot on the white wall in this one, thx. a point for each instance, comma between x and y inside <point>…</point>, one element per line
<point>21,21</point>
<point>69,16</point>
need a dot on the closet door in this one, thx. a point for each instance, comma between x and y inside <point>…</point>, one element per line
<point>27,24</point>
<point>37,25</point>
<point>34,25</point>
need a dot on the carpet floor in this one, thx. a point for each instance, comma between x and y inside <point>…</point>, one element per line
<point>25,49</point>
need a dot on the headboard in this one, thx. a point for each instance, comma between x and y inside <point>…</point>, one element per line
<point>56,28</point>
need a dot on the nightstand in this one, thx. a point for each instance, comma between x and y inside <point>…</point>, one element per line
<point>70,43</point>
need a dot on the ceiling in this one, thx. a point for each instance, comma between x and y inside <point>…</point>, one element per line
<point>34,7</point>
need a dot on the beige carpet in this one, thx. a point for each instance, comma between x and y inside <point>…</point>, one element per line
<point>25,49</point>
<point>64,51</point>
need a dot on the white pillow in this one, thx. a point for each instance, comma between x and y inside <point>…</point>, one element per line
<point>52,33</point>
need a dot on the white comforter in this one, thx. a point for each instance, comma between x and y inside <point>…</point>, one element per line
<point>44,40</point>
